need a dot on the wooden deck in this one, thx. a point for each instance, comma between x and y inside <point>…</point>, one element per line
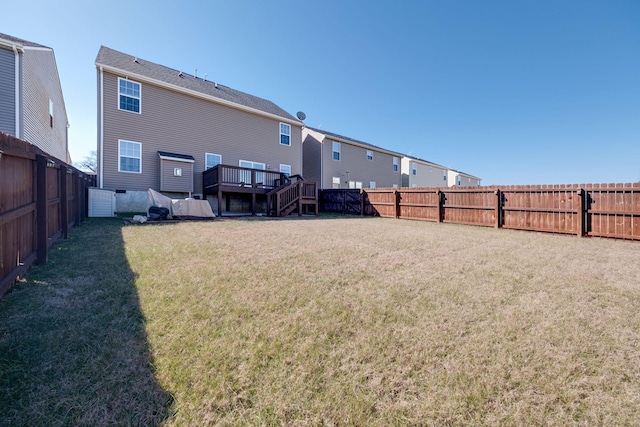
<point>281,192</point>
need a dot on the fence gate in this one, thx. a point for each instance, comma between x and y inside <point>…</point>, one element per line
<point>346,202</point>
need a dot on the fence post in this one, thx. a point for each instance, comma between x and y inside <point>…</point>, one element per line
<point>396,193</point>
<point>41,209</point>
<point>498,213</point>
<point>362,202</point>
<point>440,196</point>
<point>64,218</point>
<point>581,212</point>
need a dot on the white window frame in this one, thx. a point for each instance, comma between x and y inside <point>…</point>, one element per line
<point>370,155</point>
<point>287,133</point>
<point>139,97</point>
<point>430,169</point>
<point>206,156</point>
<point>395,185</point>
<point>358,184</point>
<point>414,169</point>
<point>372,184</point>
<point>177,171</point>
<point>286,167</point>
<point>459,181</point>
<point>444,173</point>
<point>334,151</point>
<point>395,164</point>
<point>335,180</point>
<point>120,155</point>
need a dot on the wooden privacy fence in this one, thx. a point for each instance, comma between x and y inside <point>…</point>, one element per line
<point>597,210</point>
<point>40,197</point>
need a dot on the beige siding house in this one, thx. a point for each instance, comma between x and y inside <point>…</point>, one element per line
<point>31,101</point>
<point>421,173</point>
<point>460,179</point>
<point>336,161</point>
<point>160,128</point>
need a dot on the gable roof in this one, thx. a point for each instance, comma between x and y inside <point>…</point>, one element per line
<point>8,40</point>
<point>113,60</point>
<point>346,139</point>
<point>425,161</point>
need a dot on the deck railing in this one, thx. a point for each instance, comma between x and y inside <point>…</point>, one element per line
<point>235,176</point>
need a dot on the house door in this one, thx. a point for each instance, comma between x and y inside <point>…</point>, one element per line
<point>245,176</point>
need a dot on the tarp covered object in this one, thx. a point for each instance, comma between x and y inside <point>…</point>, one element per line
<point>180,208</point>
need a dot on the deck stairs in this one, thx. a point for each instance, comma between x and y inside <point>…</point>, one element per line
<point>293,195</point>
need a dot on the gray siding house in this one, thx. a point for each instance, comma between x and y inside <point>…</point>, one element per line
<point>31,102</point>
<point>160,128</point>
<point>336,161</point>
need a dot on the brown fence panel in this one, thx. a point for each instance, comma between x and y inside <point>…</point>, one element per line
<point>420,203</point>
<point>613,210</point>
<point>30,178</point>
<point>545,208</point>
<point>380,202</point>
<point>471,206</point>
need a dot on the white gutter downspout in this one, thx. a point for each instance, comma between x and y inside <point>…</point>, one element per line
<point>101,139</point>
<point>17,89</point>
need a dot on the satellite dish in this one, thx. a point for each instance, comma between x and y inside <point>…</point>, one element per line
<point>301,115</point>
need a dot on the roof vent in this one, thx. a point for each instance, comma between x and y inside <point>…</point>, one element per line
<point>180,74</point>
<point>196,74</point>
<point>135,59</point>
<point>215,84</point>
<point>205,77</point>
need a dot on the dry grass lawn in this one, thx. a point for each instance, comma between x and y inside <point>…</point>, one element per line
<point>333,321</point>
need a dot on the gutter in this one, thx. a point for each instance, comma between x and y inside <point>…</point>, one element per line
<point>191,92</point>
<point>16,51</point>
<point>101,130</point>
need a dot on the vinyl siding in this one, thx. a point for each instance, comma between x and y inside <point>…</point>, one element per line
<point>354,160</point>
<point>7,92</point>
<point>423,177</point>
<point>176,184</point>
<point>176,122</point>
<point>311,155</point>
<point>41,84</point>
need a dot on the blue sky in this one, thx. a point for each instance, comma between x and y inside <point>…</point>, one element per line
<point>515,92</point>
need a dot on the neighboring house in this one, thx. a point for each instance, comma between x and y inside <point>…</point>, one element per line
<point>160,128</point>
<point>421,173</point>
<point>457,179</point>
<point>31,102</point>
<point>336,161</point>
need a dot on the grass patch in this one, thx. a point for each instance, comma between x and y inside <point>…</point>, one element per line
<point>332,321</point>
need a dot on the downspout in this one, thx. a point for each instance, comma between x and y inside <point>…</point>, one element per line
<point>17,89</point>
<point>101,139</point>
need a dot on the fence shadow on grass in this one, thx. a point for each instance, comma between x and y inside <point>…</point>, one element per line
<point>73,346</point>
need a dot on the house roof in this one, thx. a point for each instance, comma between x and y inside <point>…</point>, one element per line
<point>425,161</point>
<point>355,141</point>
<point>141,68</point>
<point>18,41</point>
<point>465,174</point>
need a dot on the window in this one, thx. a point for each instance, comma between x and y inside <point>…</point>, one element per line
<point>285,169</point>
<point>50,113</point>
<point>414,185</point>
<point>336,151</point>
<point>444,173</point>
<point>336,182</point>
<point>129,99</point>
<point>211,160</point>
<point>430,169</point>
<point>372,184</point>
<point>459,181</point>
<point>369,155</point>
<point>285,134</point>
<point>358,184</point>
<point>130,156</point>
<point>355,184</point>
<point>395,164</point>
<point>177,171</point>
<point>414,169</point>
<point>395,185</point>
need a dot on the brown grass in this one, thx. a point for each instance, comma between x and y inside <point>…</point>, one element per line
<point>386,322</point>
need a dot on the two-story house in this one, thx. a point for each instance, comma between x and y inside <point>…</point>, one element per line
<point>31,101</point>
<point>160,128</point>
<point>460,179</point>
<point>417,172</point>
<point>337,161</point>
